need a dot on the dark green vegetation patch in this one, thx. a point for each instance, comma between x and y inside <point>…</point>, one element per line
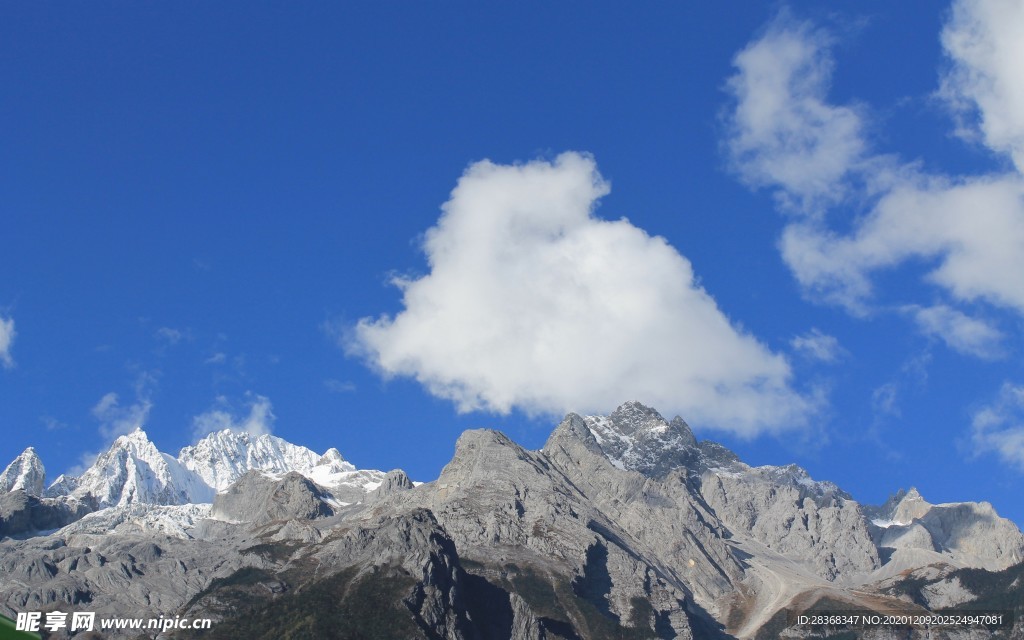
<point>342,607</point>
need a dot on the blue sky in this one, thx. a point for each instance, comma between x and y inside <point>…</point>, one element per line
<point>374,225</point>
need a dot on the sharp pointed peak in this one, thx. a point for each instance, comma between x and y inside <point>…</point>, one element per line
<point>573,427</point>
<point>28,454</point>
<point>331,455</point>
<point>24,472</point>
<point>635,408</point>
<point>135,436</point>
<point>684,430</point>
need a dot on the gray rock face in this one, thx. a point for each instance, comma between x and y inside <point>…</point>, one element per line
<point>825,531</point>
<point>258,499</point>
<point>394,481</point>
<point>548,512</point>
<point>415,543</point>
<point>911,536</point>
<point>663,514</point>
<point>964,534</point>
<point>22,513</point>
<point>110,574</point>
<point>780,507</point>
<point>25,473</point>
<point>636,437</point>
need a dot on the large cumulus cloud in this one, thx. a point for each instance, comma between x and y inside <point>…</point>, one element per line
<point>534,303</point>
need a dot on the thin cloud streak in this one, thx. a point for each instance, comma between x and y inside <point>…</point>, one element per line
<point>819,346</point>
<point>7,335</point>
<point>999,427</point>
<point>258,421</point>
<point>962,333</point>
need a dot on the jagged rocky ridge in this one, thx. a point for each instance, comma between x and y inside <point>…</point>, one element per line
<point>621,526</point>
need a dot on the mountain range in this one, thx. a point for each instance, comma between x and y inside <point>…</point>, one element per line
<point>621,526</point>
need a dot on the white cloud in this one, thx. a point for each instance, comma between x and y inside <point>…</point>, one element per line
<point>170,336</point>
<point>911,378</point>
<point>959,331</point>
<point>816,345</point>
<point>51,423</point>
<point>782,132</point>
<point>339,386</point>
<point>534,303</point>
<point>971,229</point>
<point>984,40</point>
<point>117,420</point>
<point>885,399</point>
<point>999,427</point>
<point>258,421</point>
<point>7,335</point>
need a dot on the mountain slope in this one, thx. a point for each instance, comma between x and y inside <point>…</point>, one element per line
<point>622,526</point>
<point>132,470</point>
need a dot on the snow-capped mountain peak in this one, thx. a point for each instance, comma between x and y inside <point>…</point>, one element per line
<point>333,460</point>
<point>224,456</point>
<point>62,486</point>
<point>134,470</point>
<point>25,472</point>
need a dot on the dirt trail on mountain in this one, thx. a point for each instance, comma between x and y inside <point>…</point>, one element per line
<point>772,584</point>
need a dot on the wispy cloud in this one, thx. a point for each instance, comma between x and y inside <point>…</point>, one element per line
<point>7,335</point>
<point>782,132</point>
<point>816,345</point>
<point>534,303</point>
<point>52,424</point>
<point>885,400</point>
<point>999,427</point>
<point>785,134</point>
<point>339,386</point>
<point>962,333</point>
<point>259,419</point>
<point>911,377</point>
<point>116,419</point>
<point>170,336</point>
